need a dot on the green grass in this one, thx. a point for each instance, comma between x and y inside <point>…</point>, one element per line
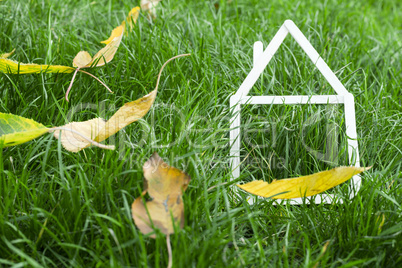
<point>73,209</point>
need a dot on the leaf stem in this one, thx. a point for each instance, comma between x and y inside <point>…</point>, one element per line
<point>97,79</point>
<point>71,83</point>
<point>169,248</point>
<point>108,147</point>
<point>163,66</point>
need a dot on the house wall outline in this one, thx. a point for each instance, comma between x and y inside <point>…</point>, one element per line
<point>261,59</point>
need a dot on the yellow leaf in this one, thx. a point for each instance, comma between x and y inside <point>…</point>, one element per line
<point>99,130</point>
<point>103,56</point>
<point>127,114</point>
<point>13,67</point>
<point>82,59</point>
<point>165,185</point>
<point>107,53</point>
<point>118,31</point>
<point>302,186</point>
<point>6,55</point>
<point>15,129</point>
<point>131,18</point>
<point>72,134</point>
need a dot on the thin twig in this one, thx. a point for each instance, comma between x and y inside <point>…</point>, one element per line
<point>109,147</point>
<point>169,248</point>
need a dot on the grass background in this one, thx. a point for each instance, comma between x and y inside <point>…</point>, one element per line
<point>64,209</point>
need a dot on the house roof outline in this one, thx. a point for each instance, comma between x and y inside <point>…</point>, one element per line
<point>261,59</point>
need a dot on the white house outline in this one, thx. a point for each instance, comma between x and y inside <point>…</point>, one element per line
<point>261,59</point>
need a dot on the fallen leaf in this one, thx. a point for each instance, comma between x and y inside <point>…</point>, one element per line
<point>131,18</point>
<point>118,31</point>
<point>15,129</point>
<point>105,55</point>
<point>127,114</point>
<point>76,136</point>
<point>165,185</point>
<point>13,67</point>
<point>302,186</point>
<point>150,6</point>
<point>98,129</point>
<point>74,142</point>
<point>82,60</point>
<point>6,55</point>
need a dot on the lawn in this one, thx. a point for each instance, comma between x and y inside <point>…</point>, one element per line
<point>65,209</point>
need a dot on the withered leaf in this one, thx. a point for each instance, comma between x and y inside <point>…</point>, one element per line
<point>74,142</point>
<point>13,67</point>
<point>302,186</point>
<point>84,60</point>
<point>150,6</point>
<point>130,20</point>
<point>115,33</point>
<point>16,129</point>
<point>165,185</point>
<point>127,114</point>
<point>6,55</point>
<point>98,129</point>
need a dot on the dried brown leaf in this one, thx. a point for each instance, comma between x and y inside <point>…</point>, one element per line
<point>165,185</point>
<point>150,6</point>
